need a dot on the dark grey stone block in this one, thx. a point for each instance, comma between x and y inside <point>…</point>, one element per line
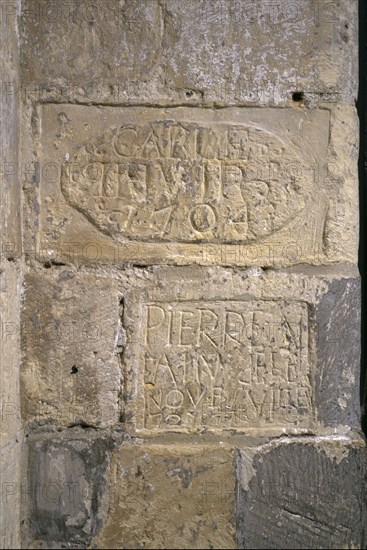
<point>66,489</point>
<point>338,354</point>
<point>307,494</point>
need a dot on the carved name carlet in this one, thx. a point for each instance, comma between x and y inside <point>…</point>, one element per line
<point>227,364</point>
<point>169,180</point>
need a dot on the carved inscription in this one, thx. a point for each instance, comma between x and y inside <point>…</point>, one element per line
<point>226,364</point>
<point>167,180</point>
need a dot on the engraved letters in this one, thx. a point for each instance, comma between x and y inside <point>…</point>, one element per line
<point>167,180</point>
<point>226,364</point>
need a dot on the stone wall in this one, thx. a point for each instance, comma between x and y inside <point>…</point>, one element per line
<point>190,322</point>
<point>10,279</point>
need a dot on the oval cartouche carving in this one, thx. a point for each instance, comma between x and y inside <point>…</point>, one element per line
<point>187,182</point>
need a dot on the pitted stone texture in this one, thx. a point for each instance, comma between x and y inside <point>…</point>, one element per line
<point>228,51</point>
<point>246,353</point>
<point>303,494</point>
<point>10,188</point>
<point>243,353</point>
<point>181,185</point>
<point>226,364</point>
<point>170,496</point>
<point>188,175</point>
<point>10,303</point>
<point>10,432</point>
<point>65,487</point>
<point>71,371</point>
<point>10,483</point>
<point>120,41</point>
<point>10,278</point>
<point>243,50</point>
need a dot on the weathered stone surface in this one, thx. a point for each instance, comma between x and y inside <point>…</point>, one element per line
<point>71,367</point>
<point>10,280</point>
<point>244,353</point>
<point>10,414</point>
<point>258,51</point>
<point>181,185</point>
<point>338,348</point>
<point>171,496</point>
<point>309,493</point>
<point>65,490</point>
<point>182,405</point>
<point>227,51</point>
<point>10,187</point>
<point>302,492</point>
<point>225,364</point>
<point>10,300</point>
<point>122,40</point>
<point>10,482</point>
<point>183,175</point>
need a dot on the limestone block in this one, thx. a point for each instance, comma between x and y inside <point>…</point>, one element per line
<point>234,186</point>
<point>120,41</point>
<point>88,489</point>
<point>10,276</point>
<point>10,432</point>
<point>71,367</point>
<point>254,351</point>
<point>10,483</point>
<point>210,349</point>
<point>258,50</point>
<point>64,489</point>
<point>309,493</point>
<point>10,180</point>
<point>10,300</point>
<point>252,52</point>
<point>171,496</point>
